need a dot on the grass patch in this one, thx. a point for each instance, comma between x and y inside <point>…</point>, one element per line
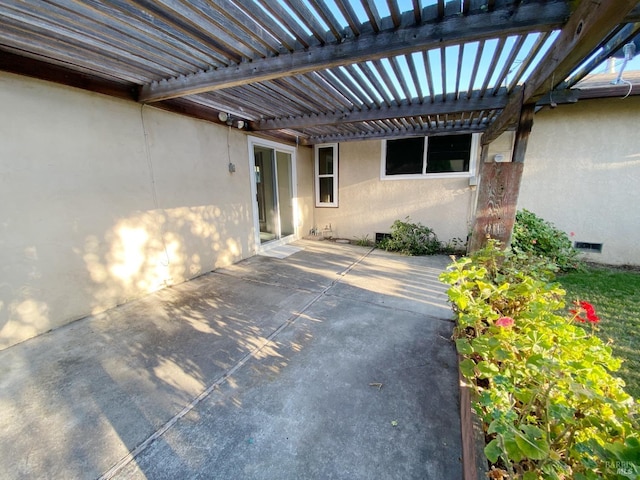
<point>615,294</point>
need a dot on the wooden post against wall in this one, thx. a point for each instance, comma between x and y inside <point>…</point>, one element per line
<point>522,135</point>
<point>499,188</point>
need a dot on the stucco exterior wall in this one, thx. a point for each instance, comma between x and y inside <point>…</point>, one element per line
<point>582,168</point>
<point>103,201</point>
<point>367,205</point>
<point>306,203</point>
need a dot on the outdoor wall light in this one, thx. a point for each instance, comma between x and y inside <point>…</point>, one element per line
<point>229,120</point>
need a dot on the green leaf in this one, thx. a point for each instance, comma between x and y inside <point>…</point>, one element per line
<point>485,288</point>
<point>481,346</point>
<point>459,298</point>
<point>532,442</point>
<point>561,413</point>
<point>463,346</point>
<point>513,450</point>
<point>467,367</point>
<point>497,426</point>
<point>503,380</point>
<point>536,360</point>
<point>487,369</point>
<point>500,354</point>
<point>493,451</point>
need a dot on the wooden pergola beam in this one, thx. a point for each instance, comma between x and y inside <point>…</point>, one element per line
<point>398,133</point>
<point>451,30</point>
<point>439,107</point>
<point>588,25</point>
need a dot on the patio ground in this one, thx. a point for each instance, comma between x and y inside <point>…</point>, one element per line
<point>334,362</point>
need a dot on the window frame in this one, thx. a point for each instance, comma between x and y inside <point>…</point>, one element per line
<point>473,158</point>
<point>318,176</point>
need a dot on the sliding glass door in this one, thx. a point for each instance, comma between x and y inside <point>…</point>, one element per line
<point>273,174</point>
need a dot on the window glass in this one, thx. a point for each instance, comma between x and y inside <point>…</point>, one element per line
<point>450,153</point>
<point>405,156</point>
<point>326,175</point>
<point>325,161</point>
<point>444,154</point>
<point>326,190</point>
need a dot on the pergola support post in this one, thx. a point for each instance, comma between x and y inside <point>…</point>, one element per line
<point>499,188</point>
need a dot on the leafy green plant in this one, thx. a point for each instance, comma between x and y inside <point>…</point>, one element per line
<point>411,239</point>
<point>615,293</point>
<point>543,381</point>
<point>534,235</point>
<point>363,241</point>
<point>454,246</point>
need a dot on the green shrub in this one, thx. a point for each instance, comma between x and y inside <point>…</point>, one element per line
<point>411,239</point>
<point>454,246</point>
<point>535,235</point>
<point>363,241</point>
<point>543,384</point>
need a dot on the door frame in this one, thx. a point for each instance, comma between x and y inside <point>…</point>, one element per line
<point>261,142</point>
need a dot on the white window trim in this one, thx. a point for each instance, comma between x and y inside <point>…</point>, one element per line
<point>317,175</point>
<point>473,158</point>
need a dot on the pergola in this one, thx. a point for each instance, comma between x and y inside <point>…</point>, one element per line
<point>317,71</point>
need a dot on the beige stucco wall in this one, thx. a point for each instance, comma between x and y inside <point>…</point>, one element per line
<point>305,198</point>
<point>368,205</point>
<point>582,169</point>
<point>103,200</point>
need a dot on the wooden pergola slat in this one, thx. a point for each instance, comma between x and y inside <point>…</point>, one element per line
<point>453,30</point>
<point>346,64</point>
<point>587,26</point>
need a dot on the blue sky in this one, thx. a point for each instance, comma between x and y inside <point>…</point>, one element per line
<point>451,56</point>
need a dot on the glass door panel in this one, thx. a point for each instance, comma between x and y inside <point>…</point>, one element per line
<point>274,193</point>
<point>285,193</point>
<point>266,194</point>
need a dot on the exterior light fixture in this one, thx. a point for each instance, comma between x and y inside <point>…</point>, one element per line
<point>229,120</point>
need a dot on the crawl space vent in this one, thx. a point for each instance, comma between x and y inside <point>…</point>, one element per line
<point>589,247</point>
<point>381,236</point>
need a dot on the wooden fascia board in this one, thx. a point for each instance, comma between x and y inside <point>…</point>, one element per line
<point>452,30</point>
<point>588,25</point>
<point>30,67</point>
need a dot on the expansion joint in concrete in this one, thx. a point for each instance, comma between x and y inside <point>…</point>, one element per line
<point>222,378</point>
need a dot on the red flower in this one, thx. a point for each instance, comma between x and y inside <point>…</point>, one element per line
<point>505,322</point>
<point>585,312</point>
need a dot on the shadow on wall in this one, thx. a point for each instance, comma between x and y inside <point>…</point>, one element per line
<point>137,255</point>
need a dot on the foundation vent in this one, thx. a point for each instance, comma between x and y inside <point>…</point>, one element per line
<point>589,247</point>
<point>381,236</point>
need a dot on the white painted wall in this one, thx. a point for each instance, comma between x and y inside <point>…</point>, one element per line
<point>103,201</point>
<point>367,205</point>
<point>582,172</point>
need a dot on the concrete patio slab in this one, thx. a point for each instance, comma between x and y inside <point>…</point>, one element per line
<point>334,362</point>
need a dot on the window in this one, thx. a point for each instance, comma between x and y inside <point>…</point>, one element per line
<point>443,156</point>
<point>326,171</point>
